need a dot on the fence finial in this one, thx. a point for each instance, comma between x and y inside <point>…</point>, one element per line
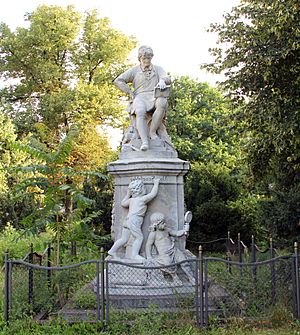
<point>271,241</point>
<point>296,247</point>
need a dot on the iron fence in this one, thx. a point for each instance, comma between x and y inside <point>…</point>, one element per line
<point>105,290</point>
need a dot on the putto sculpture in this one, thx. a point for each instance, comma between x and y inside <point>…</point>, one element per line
<point>136,201</point>
<point>166,253</point>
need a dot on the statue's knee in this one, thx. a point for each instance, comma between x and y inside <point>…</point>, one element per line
<point>140,113</point>
<point>161,103</point>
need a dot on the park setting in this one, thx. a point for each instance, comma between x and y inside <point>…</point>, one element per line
<point>150,167</point>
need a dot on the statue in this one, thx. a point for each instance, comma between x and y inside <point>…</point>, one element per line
<point>136,201</point>
<point>148,104</point>
<point>167,254</point>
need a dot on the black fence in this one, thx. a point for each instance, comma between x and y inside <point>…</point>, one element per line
<point>107,291</point>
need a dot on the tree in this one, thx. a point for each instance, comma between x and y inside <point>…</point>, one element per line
<point>62,67</point>
<point>58,72</point>
<point>12,209</point>
<point>219,203</point>
<point>262,67</point>
<point>57,186</point>
<point>199,123</point>
<point>201,128</point>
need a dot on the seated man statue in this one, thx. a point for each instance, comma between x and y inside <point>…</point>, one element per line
<point>145,78</point>
<point>167,254</point>
<point>136,200</point>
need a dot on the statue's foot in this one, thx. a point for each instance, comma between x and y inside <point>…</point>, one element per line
<point>113,255</point>
<point>144,146</point>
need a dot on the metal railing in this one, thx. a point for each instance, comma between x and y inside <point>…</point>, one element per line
<point>222,287</point>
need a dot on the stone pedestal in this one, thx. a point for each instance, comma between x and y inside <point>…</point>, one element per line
<point>159,161</point>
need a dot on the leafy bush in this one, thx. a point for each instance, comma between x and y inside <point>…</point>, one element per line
<point>219,203</point>
<point>18,245</point>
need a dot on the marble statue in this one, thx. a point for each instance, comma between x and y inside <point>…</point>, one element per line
<point>163,239</point>
<point>136,201</point>
<point>148,100</point>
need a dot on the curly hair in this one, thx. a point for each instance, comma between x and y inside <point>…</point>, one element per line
<point>145,50</point>
<point>136,186</point>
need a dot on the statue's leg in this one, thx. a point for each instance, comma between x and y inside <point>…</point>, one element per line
<point>141,126</point>
<point>161,105</point>
<point>137,243</point>
<point>120,242</point>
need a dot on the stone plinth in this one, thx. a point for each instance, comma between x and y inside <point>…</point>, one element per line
<point>157,162</point>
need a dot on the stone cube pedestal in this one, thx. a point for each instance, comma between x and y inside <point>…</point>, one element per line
<point>145,165</point>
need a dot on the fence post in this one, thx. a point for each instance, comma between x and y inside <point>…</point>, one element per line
<point>228,258</point>
<point>228,242</point>
<point>102,286</point>
<point>206,291</point>
<point>296,267</point>
<point>272,269</point>
<point>6,287</point>
<point>49,264</point>
<point>253,257</point>
<point>197,289</point>
<point>271,248</point>
<point>200,280</point>
<point>240,254</point>
<point>30,277</point>
<point>239,248</point>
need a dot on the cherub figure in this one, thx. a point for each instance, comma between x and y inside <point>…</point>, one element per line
<point>136,200</point>
<point>167,254</point>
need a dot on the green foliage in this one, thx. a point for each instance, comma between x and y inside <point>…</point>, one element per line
<point>18,245</point>
<point>57,187</point>
<point>63,65</point>
<point>261,62</point>
<point>282,214</point>
<point>102,194</point>
<point>12,209</point>
<point>199,123</point>
<point>219,203</point>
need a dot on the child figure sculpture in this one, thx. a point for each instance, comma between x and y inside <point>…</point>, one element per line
<point>136,201</point>
<point>167,254</point>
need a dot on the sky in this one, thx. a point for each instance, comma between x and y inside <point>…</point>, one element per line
<point>175,29</point>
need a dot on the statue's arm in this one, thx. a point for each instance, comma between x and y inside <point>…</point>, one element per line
<point>149,244</point>
<point>122,82</point>
<point>148,197</point>
<point>126,200</point>
<point>177,233</point>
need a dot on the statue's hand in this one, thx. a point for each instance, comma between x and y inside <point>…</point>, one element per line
<point>161,84</point>
<point>156,180</point>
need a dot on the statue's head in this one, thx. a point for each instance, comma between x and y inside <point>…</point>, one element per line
<point>137,187</point>
<point>158,221</point>
<point>145,51</point>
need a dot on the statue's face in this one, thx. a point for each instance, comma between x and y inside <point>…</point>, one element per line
<point>146,60</point>
<point>162,225</point>
<point>139,190</point>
